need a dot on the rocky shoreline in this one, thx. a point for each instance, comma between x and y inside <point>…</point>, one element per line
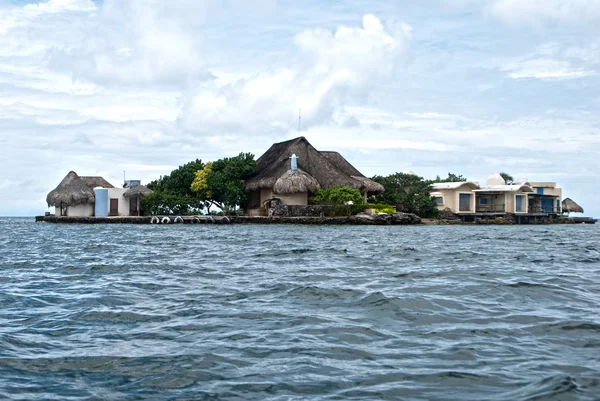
<point>360,219</point>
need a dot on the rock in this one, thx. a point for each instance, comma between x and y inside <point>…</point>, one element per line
<point>405,218</point>
<point>363,219</point>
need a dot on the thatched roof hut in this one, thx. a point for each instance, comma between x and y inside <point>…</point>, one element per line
<point>137,191</point>
<point>276,162</point>
<point>71,191</point>
<point>570,206</point>
<point>295,182</point>
<point>95,182</point>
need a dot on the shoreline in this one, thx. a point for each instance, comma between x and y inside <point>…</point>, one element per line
<point>400,219</point>
<point>358,220</point>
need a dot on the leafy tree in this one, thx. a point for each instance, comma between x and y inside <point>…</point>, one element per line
<point>508,178</point>
<point>172,193</point>
<point>165,203</point>
<point>451,178</point>
<point>221,183</point>
<point>200,184</point>
<point>339,195</point>
<point>409,192</point>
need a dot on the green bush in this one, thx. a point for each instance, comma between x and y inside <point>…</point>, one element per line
<point>332,210</point>
<point>388,210</point>
<point>339,195</point>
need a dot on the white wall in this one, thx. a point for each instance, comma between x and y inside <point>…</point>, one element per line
<point>85,210</point>
<point>452,199</point>
<point>294,199</point>
<point>117,193</point>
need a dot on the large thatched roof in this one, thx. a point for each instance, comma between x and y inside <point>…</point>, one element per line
<point>294,182</point>
<point>137,191</point>
<point>340,162</point>
<point>276,162</point>
<point>570,206</point>
<point>71,191</point>
<point>95,182</point>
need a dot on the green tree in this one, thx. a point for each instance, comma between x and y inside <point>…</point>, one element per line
<point>507,178</point>
<point>451,178</point>
<point>172,193</point>
<point>200,184</point>
<point>221,183</point>
<point>339,195</point>
<point>409,192</point>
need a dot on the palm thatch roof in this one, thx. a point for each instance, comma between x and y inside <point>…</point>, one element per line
<point>95,182</point>
<point>340,162</point>
<point>71,191</point>
<point>276,162</point>
<point>570,206</point>
<point>294,182</point>
<point>137,191</point>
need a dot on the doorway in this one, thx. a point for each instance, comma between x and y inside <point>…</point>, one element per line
<point>114,207</point>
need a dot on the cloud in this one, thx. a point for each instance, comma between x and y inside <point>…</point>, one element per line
<point>57,6</point>
<point>545,69</point>
<point>332,69</point>
<point>543,11</point>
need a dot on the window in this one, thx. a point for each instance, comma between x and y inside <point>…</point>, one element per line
<point>519,207</point>
<point>439,200</point>
<point>540,190</point>
<point>483,201</point>
<point>464,204</point>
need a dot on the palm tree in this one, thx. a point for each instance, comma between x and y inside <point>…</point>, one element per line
<point>508,178</point>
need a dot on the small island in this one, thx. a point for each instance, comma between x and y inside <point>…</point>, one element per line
<point>294,183</point>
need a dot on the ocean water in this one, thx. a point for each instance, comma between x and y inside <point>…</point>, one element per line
<point>193,312</point>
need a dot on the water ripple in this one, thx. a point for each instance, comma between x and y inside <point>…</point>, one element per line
<point>290,313</point>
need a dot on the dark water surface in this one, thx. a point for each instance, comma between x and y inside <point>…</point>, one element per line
<point>293,313</point>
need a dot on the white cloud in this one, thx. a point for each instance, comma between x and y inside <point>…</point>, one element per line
<point>545,69</point>
<point>334,68</point>
<point>540,11</point>
<point>56,6</point>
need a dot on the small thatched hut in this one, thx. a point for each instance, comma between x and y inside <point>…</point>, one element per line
<point>95,182</point>
<point>570,206</point>
<point>327,169</point>
<point>135,195</point>
<point>293,187</point>
<point>72,197</point>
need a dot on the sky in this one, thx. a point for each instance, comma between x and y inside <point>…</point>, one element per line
<point>472,87</point>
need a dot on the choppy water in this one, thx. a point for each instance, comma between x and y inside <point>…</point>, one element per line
<point>291,313</point>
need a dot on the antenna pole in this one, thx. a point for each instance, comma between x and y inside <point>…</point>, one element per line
<point>299,120</point>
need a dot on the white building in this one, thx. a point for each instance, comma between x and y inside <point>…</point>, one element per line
<point>79,196</point>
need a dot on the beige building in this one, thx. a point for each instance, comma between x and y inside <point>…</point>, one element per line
<point>457,197</point>
<point>498,197</point>
<point>546,197</point>
<point>293,170</point>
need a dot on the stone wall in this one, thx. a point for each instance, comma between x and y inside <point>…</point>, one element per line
<point>295,211</point>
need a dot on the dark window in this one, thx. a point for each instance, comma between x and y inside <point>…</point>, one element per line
<point>464,203</point>
<point>519,206</point>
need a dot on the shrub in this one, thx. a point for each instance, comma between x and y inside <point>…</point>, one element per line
<point>388,210</point>
<point>339,195</point>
